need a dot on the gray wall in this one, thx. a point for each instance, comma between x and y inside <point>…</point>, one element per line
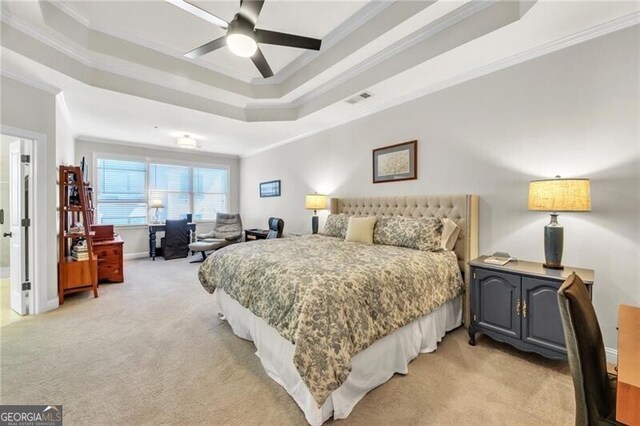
<point>27,108</point>
<point>137,237</point>
<point>574,113</point>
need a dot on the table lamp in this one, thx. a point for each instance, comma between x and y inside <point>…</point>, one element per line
<point>315,202</point>
<point>156,204</point>
<point>558,195</point>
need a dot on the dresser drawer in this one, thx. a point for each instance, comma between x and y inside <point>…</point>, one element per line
<point>110,264</point>
<point>108,251</point>
<point>110,271</point>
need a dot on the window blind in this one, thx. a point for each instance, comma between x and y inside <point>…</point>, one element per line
<point>122,193</point>
<point>126,189</point>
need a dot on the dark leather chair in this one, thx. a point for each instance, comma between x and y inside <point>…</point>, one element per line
<point>594,388</point>
<point>276,226</point>
<point>175,243</point>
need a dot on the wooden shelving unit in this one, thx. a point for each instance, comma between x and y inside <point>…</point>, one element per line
<point>76,206</point>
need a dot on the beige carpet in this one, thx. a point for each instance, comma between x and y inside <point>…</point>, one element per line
<point>153,351</point>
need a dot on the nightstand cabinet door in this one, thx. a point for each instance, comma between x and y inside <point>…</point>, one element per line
<point>498,296</point>
<point>541,322</point>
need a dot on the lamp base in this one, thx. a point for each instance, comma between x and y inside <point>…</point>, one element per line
<point>552,266</point>
<point>314,224</point>
<point>553,243</point>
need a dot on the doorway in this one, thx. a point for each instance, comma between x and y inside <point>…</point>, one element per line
<point>16,248</point>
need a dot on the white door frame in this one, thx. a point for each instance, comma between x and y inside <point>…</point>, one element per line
<point>39,263</point>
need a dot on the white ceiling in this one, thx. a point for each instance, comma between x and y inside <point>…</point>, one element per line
<point>398,52</point>
<point>160,23</point>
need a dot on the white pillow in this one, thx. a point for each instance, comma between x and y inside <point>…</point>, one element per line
<point>360,229</point>
<point>450,232</point>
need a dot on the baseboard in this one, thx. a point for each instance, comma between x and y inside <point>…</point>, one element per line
<point>129,256</point>
<point>51,305</point>
<point>612,355</point>
<point>5,271</point>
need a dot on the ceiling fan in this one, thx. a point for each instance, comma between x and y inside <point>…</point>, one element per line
<point>242,36</point>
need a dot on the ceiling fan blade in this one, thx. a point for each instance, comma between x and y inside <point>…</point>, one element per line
<point>206,48</point>
<point>261,63</point>
<point>201,13</point>
<point>250,9</point>
<point>290,40</point>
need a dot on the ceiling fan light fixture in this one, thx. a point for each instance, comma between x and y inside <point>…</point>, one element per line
<point>187,143</point>
<point>241,45</point>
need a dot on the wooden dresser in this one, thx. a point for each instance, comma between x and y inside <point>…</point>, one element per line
<point>110,260</point>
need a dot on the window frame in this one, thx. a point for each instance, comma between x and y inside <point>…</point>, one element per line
<point>148,160</point>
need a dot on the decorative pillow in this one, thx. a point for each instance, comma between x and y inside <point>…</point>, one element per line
<point>360,229</point>
<point>422,233</point>
<point>450,232</point>
<point>336,226</point>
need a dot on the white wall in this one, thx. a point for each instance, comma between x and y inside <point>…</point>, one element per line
<point>137,237</point>
<point>5,142</point>
<point>65,144</point>
<point>574,113</point>
<point>27,108</point>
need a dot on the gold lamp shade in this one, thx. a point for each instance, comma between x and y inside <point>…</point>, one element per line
<point>315,201</point>
<point>560,195</point>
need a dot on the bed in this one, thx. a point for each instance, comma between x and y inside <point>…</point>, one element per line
<point>332,320</point>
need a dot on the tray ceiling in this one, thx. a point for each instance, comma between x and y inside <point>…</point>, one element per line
<point>126,56</point>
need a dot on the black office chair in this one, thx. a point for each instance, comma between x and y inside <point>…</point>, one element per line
<point>276,226</point>
<point>594,388</point>
<point>175,243</point>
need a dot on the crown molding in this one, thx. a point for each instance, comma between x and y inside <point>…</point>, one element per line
<point>354,22</point>
<point>367,12</point>
<point>144,42</point>
<point>46,39</point>
<point>72,12</point>
<point>420,35</point>
<point>596,31</point>
<point>29,82</point>
<point>107,141</point>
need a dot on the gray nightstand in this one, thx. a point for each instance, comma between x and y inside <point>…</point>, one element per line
<point>517,304</point>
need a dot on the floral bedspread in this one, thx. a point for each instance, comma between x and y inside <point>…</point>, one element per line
<point>332,298</point>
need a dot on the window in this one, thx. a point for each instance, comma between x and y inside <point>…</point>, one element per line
<point>172,185</point>
<point>122,192</point>
<point>126,189</point>
<point>210,188</point>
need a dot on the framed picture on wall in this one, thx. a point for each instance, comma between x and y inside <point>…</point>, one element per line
<point>270,188</point>
<point>395,163</point>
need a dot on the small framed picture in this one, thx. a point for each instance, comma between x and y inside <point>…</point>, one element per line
<point>395,163</point>
<point>270,189</point>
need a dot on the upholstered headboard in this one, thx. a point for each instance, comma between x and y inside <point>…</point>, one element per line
<point>462,209</point>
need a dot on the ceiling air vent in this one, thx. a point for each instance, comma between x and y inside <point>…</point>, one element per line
<point>361,97</point>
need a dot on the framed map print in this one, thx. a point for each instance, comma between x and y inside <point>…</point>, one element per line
<point>395,163</point>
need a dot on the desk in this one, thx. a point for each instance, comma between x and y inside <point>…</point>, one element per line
<point>255,234</point>
<point>159,227</point>
<point>628,391</point>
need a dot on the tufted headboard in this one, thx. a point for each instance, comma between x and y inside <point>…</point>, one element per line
<point>462,209</point>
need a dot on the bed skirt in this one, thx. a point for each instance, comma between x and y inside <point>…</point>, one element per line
<point>369,369</point>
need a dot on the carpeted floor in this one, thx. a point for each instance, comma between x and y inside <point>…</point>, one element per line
<point>153,351</point>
